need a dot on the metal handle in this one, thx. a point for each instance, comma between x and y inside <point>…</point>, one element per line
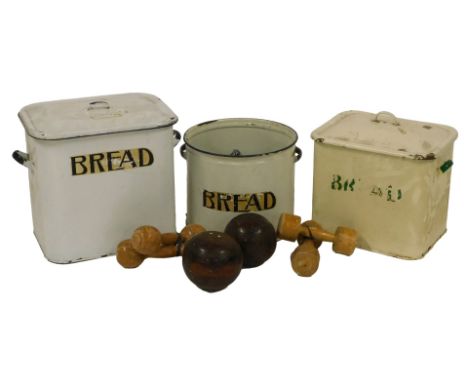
<point>446,165</point>
<point>183,151</point>
<point>297,154</point>
<point>22,158</point>
<point>176,135</point>
<point>386,116</point>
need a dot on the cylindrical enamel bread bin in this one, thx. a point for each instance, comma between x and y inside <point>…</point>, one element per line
<point>98,168</point>
<point>236,166</point>
<point>388,178</point>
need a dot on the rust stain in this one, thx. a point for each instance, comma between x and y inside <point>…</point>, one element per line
<point>430,156</point>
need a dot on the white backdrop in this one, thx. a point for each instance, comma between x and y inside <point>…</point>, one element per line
<point>365,318</point>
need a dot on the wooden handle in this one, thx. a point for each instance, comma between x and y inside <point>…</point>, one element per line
<point>309,225</point>
<point>147,241</point>
<point>169,238</point>
<point>321,235</point>
<point>165,251</point>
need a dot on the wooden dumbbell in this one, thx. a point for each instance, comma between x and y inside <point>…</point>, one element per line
<point>306,258</point>
<point>128,257</point>
<point>147,242</point>
<point>290,228</point>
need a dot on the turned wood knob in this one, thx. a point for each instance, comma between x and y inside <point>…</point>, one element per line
<point>289,227</point>
<point>189,231</point>
<point>127,256</point>
<point>147,240</point>
<point>305,259</point>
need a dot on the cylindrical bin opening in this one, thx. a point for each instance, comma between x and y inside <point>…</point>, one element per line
<point>236,166</point>
<point>241,137</point>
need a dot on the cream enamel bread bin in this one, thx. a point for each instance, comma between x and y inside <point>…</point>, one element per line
<point>388,178</point>
<point>236,166</point>
<point>98,168</point>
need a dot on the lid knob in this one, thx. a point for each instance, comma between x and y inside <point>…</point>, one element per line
<point>98,105</point>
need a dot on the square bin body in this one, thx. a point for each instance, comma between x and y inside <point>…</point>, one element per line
<point>388,178</point>
<point>98,172</point>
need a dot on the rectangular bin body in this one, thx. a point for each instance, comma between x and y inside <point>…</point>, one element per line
<point>98,168</point>
<point>388,178</point>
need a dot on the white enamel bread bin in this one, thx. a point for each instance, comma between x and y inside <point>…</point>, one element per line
<point>239,165</point>
<point>98,168</point>
<point>388,178</point>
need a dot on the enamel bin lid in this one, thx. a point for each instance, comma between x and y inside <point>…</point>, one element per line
<point>82,117</point>
<point>383,133</point>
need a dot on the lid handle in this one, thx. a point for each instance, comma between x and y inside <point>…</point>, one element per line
<point>98,105</point>
<point>386,117</point>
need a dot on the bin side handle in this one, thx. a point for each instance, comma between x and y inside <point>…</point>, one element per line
<point>22,158</point>
<point>176,135</point>
<point>446,165</point>
<point>183,151</point>
<point>297,154</point>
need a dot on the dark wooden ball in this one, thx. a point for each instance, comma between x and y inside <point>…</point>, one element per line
<point>256,236</point>
<point>212,260</point>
